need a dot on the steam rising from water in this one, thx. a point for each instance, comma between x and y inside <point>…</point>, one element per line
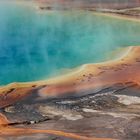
<point>36,45</point>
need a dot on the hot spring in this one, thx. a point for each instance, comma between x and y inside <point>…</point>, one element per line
<point>37,45</point>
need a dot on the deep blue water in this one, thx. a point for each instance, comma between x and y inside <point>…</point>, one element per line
<point>36,45</point>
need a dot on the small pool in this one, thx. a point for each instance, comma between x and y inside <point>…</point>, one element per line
<point>37,45</point>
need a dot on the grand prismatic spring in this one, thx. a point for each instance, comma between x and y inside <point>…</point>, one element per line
<point>69,70</point>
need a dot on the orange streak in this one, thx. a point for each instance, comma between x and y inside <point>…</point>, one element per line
<point>3,120</point>
<point>6,130</point>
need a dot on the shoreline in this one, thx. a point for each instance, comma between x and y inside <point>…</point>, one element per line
<point>109,92</point>
<point>73,71</point>
<point>95,101</point>
<point>69,78</point>
<point>131,14</point>
<point>85,78</point>
<point>119,15</point>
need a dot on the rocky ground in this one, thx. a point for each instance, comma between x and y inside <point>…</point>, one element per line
<point>105,4</point>
<point>125,8</point>
<point>112,112</point>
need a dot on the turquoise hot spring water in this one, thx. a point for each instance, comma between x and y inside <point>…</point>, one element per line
<point>37,45</point>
